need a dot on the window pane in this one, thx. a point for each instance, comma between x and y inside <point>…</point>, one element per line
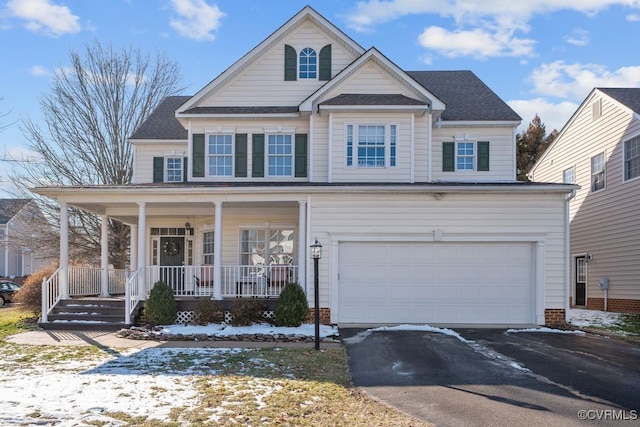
<point>281,246</point>
<point>252,249</point>
<point>207,247</point>
<point>632,158</point>
<point>220,151</point>
<point>350,145</point>
<point>465,154</point>
<point>392,145</point>
<point>174,169</point>
<point>371,149</point>
<point>280,155</point>
<point>308,61</point>
<point>597,173</point>
<point>568,176</point>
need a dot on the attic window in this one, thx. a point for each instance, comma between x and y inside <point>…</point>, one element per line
<point>308,63</point>
<point>596,109</point>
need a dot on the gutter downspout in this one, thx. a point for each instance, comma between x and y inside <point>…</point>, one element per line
<point>567,252</point>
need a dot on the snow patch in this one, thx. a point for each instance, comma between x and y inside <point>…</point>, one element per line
<point>545,330</point>
<point>359,337</point>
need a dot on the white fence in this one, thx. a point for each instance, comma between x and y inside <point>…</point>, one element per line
<point>51,293</point>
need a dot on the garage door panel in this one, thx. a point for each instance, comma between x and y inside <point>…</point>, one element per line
<point>436,283</point>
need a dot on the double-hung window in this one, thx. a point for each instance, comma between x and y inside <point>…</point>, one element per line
<point>173,169</point>
<point>207,247</point>
<point>371,146</point>
<point>260,246</point>
<point>632,158</point>
<point>220,155</point>
<point>280,155</point>
<point>569,176</point>
<point>597,173</point>
<point>465,155</point>
<point>308,64</point>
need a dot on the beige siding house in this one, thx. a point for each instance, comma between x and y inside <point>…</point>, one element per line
<point>407,179</point>
<point>599,150</point>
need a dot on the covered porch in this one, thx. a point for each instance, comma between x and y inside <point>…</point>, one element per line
<point>220,249</point>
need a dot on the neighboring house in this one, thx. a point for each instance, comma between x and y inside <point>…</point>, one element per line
<point>407,179</point>
<point>19,221</point>
<point>599,150</point>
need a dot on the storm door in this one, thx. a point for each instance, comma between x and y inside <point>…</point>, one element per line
<point>581,281</point>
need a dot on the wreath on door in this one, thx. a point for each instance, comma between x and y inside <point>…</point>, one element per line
<point>170,248</point>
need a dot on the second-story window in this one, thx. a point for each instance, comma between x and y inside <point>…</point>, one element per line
<point>632,158</point>
<point>371,145</point>
<point>173,169</point>
<point>465,155</point>
<point>308,64</point>
<point>597,173</point>
<point>569,176</point>
<point>220,155</point>
<point>280,155</point>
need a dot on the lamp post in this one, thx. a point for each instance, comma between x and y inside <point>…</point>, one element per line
<point>316,254</point>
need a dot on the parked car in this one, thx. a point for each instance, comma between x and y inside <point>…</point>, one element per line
<point>7,290</point>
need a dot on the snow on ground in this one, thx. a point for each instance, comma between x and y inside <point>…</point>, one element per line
<point>425,328</point>
<point>590,318</point>
<point>222,330</point>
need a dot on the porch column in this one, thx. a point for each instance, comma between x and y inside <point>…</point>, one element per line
<point>142,249</point>
<point>104,256</point>
<point>217,253</point>
<point>133,248</point>
<point>64,250</point>
<point>302,242</point>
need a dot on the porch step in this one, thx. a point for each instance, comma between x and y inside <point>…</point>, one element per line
<point>94,314</point>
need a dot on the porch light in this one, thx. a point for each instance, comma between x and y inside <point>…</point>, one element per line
<point>316,249</point>
<point>316,254</point>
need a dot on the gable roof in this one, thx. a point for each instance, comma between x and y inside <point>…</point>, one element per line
<point>10,208</point>
<point>466,96</point>
<point>307,13</point>
<point>162,122</point>
<point>630,97</point>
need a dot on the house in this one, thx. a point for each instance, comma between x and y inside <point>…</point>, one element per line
<point>19,221</point>
<point>406,178</point>
<point>599,150</point>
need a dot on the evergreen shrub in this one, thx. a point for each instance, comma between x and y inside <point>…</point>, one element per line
<point>293,307</point>
<point>161,307</point>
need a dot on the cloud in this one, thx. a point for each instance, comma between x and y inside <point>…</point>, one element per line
<point>43,16</point>
<point>479,43</point>
<point>633,17</point>
<point>40,71</point>
<point>575,81</point>
<point>553,116</point>
<point>578,37</point>
<point>196,19</point>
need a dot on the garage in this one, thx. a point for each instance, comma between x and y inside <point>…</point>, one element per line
<point>437,283</point>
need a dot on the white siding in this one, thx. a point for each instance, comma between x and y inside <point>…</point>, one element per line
<point>262,83</point>
<point>144,154</point>
<point>501,153</point>
<point>458,217</point>
<point>604,223</point>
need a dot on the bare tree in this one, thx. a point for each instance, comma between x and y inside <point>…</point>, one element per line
<point>93,106</point>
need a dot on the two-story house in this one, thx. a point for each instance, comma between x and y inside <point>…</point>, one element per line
<point>599,150</point>
<point>406,178</point>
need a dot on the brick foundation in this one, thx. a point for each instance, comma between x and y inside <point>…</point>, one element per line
<point>554,317</point>
<point>617,305</point>
<point>325,315</point>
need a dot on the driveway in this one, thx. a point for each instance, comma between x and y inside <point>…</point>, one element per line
<point>492,377</point>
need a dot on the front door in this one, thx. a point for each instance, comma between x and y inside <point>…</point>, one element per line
<point>172,261</point>
<point>581,281</point>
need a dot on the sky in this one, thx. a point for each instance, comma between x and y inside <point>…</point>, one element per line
<point>541,56</point>
<point>84,391</point>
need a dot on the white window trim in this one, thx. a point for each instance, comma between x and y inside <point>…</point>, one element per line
<point>387,145</point>
<point>474,167</point>
<point>604,172</point>
<point>624,160</point>
<point>165,173</point>
<point>279,132</point>
<point>208,156</point>
<point>317,52</point>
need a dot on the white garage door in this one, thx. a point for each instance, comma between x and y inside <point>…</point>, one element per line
<point>475,283</point>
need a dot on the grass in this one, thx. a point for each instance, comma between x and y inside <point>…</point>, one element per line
<point>14,319</point>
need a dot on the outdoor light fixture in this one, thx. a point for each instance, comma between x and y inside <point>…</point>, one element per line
<point>316,254</point>
<point>187,224</point>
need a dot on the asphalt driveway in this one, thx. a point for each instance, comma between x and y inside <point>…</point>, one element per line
<point>493,377</point>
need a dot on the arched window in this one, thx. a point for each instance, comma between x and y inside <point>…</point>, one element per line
<point>308,63</point>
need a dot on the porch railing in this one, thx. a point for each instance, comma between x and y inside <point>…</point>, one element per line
<point>86,281</point>
<point>131,295</point>
<point>50,294</point>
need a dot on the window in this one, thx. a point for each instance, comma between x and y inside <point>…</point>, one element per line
<point>465,155</point>
<point>371,144</point>
<point>220,155</point>
<point>207,248</point>
<point>568,176</point>
<point>173,169</point>
<point>597,173</point>
<point>280,155</point>
<point>308,63</point>
<point>266,246</point>
<point>632,158</point>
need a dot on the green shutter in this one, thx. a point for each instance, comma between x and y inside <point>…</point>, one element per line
<point>301,155</point>
<point>483,156</point>
<point>448,156</point>
<point>158,169</point>
<point>241,155</point>
<point>185,172</point>
<point>198,155</point>
<point>258,155</point>
<point>324,69</point>
<point>290,63</point>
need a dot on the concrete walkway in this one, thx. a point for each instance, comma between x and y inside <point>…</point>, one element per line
<point>110,340</point>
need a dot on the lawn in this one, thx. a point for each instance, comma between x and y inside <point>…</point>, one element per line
<point>181,386</point>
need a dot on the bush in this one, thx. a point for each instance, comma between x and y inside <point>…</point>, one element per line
<point>293,307</point>
<point>161,307</point>
<point>247,312</point>
<point>30,293</point>
<point>208,311</point>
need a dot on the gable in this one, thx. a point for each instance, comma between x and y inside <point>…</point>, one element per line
<point>9,208</point>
